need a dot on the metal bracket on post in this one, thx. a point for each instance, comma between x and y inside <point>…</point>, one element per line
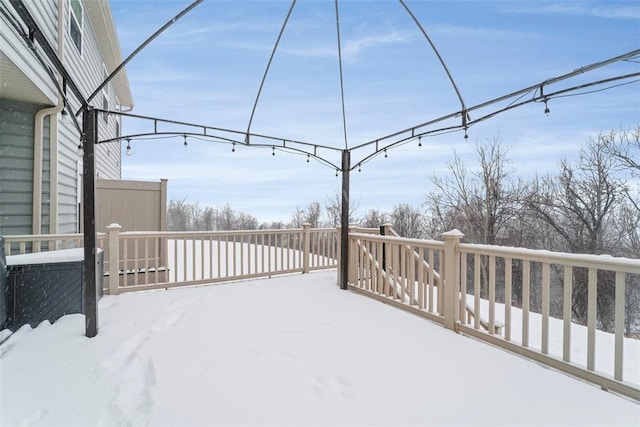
<point>344,230</point>
<point>90,292</point>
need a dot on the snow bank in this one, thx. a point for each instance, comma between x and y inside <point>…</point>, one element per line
<point>287,351</point>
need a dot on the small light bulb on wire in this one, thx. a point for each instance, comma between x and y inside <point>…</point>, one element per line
<point>385,153</point>
<point>80,149</point>
<point>128,151</point>
<point>466,135</point>
<point>359,167</point>
<point>273,151</point>
<point>185,142</point>
<point>233,148</point>
<point>336,171</point>
<point>308,158</point>
<point>546,108</point>
<point>420,141</point>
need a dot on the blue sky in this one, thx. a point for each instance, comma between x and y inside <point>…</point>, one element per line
<point>208,66</point>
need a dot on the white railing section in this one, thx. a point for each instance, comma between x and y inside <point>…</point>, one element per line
<point>510,297</point>
<point>150,260</point>
<point>407,272</point>
<point>27,243</point>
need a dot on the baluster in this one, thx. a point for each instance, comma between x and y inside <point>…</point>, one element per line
<point>546,280</point>
<point>591,318</point>
<point>476,291</point>
<point>526,285</point>
<point>432,278</point>
<point>619,325</point>
<point>508,280</point>
<point>463,289</point>
<point>492,294</point>
<point>566,313</point>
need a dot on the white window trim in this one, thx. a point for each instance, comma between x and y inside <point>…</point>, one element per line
<point>79,24</point>
<point>105,94</point>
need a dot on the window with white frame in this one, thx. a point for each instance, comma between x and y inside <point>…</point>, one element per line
<point>105,95</point>
<point>76,13</point>
<point>105,106</point>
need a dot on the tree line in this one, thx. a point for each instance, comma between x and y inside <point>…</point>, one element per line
<point>590,205</point>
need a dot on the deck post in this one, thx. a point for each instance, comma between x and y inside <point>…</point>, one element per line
<point>90,293</point>
<point>306,227</point>
<point>338,254</point>
<point>385,230</point>
<point>344,220</point>
<point>451,291</point>
<point>113,233</point>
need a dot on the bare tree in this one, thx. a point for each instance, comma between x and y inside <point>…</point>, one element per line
<point>624,146</point>
<point>374,218</point>
<point>579,205</point>
<point>184,216</point>
<point>408,221</point>
<point>333,208</point>
<point>311,215</point>
<point>481,204</point>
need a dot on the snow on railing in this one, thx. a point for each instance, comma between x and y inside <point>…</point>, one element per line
<point>515,291</point>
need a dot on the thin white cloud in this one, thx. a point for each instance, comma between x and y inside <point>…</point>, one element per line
<point>351,47</point>
<point>480,33</point>
<point>631,11</point>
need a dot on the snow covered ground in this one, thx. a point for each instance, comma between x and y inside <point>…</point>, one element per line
<point>293,350</point>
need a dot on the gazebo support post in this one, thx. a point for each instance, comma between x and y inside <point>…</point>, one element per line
<point>90,293</point>
<point>344,229</point>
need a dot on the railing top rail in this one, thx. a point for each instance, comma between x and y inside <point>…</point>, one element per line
<point>603,262</point>
<point>179,234</point>
<point>367,230</point>
<point>43,237</point>
<point>436,244</point>
<point>36,237</point>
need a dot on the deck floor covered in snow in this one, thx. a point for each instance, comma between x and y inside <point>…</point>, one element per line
<point>293,350</point>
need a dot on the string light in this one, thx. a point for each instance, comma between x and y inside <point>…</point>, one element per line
<point>336,171</point>
<point>359,167</point>
<point>385,153</point>
<point>273,151</point>
<point>420,141</point>
<point>233,149</point>
<point>466,135</point>
<point>185,142</point>
<point>80,149</point>
<point>546,107</point>
<point>308,158</point>
<point>128,151</point>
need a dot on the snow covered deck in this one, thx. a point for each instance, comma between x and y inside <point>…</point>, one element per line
<point>293,350</point>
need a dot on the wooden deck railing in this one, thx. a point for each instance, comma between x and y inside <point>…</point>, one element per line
<point>151,260</point>
<point>415,275</point>
<point>467,288</point>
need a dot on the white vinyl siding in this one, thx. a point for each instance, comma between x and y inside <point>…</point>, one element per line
<point>16,167</point>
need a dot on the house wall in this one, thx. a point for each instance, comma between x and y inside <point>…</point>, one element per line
<point>86,68</point>
<point>16,166</point>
